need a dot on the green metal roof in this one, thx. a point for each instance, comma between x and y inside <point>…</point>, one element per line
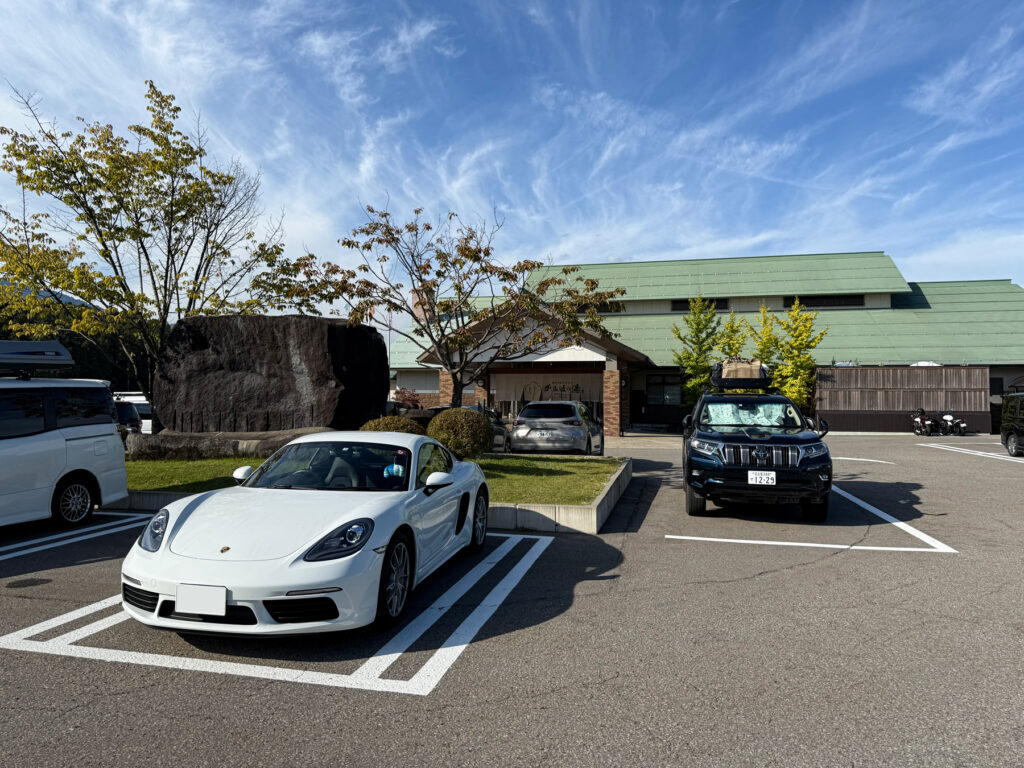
<point>952,323</point>
<point>803,274</point>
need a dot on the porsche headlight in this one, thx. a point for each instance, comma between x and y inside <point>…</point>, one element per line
<point>707,447</point>
<point>341,542</point>
<point>152,537</point>
<point>814,450</point>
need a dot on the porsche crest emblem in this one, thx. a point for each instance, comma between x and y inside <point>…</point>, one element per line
<point>224,549</point>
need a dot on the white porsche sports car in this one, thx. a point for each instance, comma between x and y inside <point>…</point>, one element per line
<point>332,532</point>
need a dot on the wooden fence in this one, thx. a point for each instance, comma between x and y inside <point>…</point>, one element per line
<point>880,399</point>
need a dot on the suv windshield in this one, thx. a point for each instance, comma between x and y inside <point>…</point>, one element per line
<point>553,411</point>
<point>751,413</point>
<point>335,466</point>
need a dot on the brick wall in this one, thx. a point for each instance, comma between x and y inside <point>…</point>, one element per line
<point>613,397</point>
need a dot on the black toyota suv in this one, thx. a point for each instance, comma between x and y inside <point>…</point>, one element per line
<point>755,447</point>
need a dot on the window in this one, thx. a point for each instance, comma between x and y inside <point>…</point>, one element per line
<point>548,411</point>
<point>664,389</point>
<point>754,414</point>
<point>610,307</point>
<point>432,459</point>
<point>848,300</point>
<point>683,305</point>
<point>86,405</point>
<point>21,413</point>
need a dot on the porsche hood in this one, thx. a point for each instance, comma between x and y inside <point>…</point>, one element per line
<point>266,524</point>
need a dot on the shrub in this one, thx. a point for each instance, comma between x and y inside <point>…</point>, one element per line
<point>467,433</point>
<point>393,424</point>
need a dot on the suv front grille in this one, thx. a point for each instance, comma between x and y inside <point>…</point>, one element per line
<point>140,598</point>
<point>761,455</point>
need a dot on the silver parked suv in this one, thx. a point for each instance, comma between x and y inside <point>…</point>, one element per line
<point>553,425</point>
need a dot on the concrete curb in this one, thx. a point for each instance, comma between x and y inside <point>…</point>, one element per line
<point>545,518</point>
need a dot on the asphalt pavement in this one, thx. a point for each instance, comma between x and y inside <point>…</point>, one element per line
<point>892,635</point>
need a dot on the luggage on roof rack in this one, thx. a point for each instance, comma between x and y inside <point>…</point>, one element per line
<point>24,356</point>
<point>740,373</point>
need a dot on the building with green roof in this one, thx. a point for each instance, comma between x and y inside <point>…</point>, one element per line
<point>873,315</point>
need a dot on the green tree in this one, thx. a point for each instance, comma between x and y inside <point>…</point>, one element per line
<point>765,337</point>
<point>464,308</point>
<point>732,337</point>
<point>145,230</point>
<point>702,329</point>
<point>795,372</point>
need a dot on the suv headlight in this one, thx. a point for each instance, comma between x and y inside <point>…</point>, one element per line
<point>814,450</point>
<point>707,447</point>
<point>153,536</point>
<point>341,542</point>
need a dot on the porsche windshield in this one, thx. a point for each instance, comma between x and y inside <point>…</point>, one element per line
<point>740,414</point>
<point>335,466</point>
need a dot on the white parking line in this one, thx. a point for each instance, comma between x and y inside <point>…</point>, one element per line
<point>934,545</point>
<point>70,537</point>
<point>367,677</point>
<point>985,454</point>
<point>873,461</point>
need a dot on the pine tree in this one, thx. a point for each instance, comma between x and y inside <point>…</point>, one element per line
<point>795,372</point>
<point>702,331</point>
<point>732,338</point>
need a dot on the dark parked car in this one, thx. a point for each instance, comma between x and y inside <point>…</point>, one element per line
<point>1011,433</point>
<point>755,447</point>
<point>128,416</point>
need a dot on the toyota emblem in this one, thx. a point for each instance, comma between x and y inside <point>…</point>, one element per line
<point>761,453</point>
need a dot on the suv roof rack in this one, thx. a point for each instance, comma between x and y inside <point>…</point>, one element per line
<point>23,357</point>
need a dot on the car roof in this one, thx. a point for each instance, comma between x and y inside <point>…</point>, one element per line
<point>400,439</point>
<point>13,383</point>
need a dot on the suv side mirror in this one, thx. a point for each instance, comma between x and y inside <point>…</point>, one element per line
<point>242,474</point>
<point>809,422</point>
<point>823,427</point>
<point>688,421</point>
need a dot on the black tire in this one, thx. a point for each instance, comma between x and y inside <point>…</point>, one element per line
<point>589,450</point>
<point>1013,445</point>
<point>696,505</point>
<point>918,431</point>
<point>393,591</point>
<point>601,452</point>
<point>479,524</point>
<point>73,501</point>
<point>815,510</point>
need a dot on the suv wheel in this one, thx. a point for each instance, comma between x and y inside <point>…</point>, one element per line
<point>815,510</point>
<point>1013,445</point>
<point>695,503</point>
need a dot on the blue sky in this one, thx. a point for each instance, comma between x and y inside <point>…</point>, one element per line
<point>598,131</point>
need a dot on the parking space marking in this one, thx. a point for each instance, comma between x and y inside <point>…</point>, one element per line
<point>934,545</point>
<point>367,677</point>
<point>55,540</point>
<point>985,454</point>
<point>850,458</point>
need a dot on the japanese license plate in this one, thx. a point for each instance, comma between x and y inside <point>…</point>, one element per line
<point>760,478</point>
<point>545,433</point>
<point>196,598</point>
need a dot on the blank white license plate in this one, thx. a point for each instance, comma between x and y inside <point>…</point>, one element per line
<point>197,598</point>
<point>760,478</point>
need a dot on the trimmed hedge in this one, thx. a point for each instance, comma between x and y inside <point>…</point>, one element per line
<point>393,424</point>
<point>466,432</point>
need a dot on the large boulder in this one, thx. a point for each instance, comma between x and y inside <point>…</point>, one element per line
<point>249,373</point>
<point>211,445</point>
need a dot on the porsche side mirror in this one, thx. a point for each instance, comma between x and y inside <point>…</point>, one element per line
<point>242,474</point>
<point>436,481</point>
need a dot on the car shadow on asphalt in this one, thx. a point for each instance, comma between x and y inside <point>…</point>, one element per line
<point>634,505</point>
<point>546,591</point>
<point>899,499</point>
<point>100,548</point>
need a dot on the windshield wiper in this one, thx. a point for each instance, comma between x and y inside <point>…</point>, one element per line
<point>295,487</point>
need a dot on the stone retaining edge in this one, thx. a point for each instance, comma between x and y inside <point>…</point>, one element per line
<point>541,518</point>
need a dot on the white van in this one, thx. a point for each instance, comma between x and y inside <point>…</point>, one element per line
<point>60,452</point>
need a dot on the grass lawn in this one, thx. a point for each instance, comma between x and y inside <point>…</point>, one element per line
<point>512,479</point>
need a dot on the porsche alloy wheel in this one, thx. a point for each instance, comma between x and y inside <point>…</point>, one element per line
<point>395,581</point>
<point>476,542</point>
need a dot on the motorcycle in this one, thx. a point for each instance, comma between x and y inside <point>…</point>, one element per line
<point>923,424</point>
<point>952,425</point>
